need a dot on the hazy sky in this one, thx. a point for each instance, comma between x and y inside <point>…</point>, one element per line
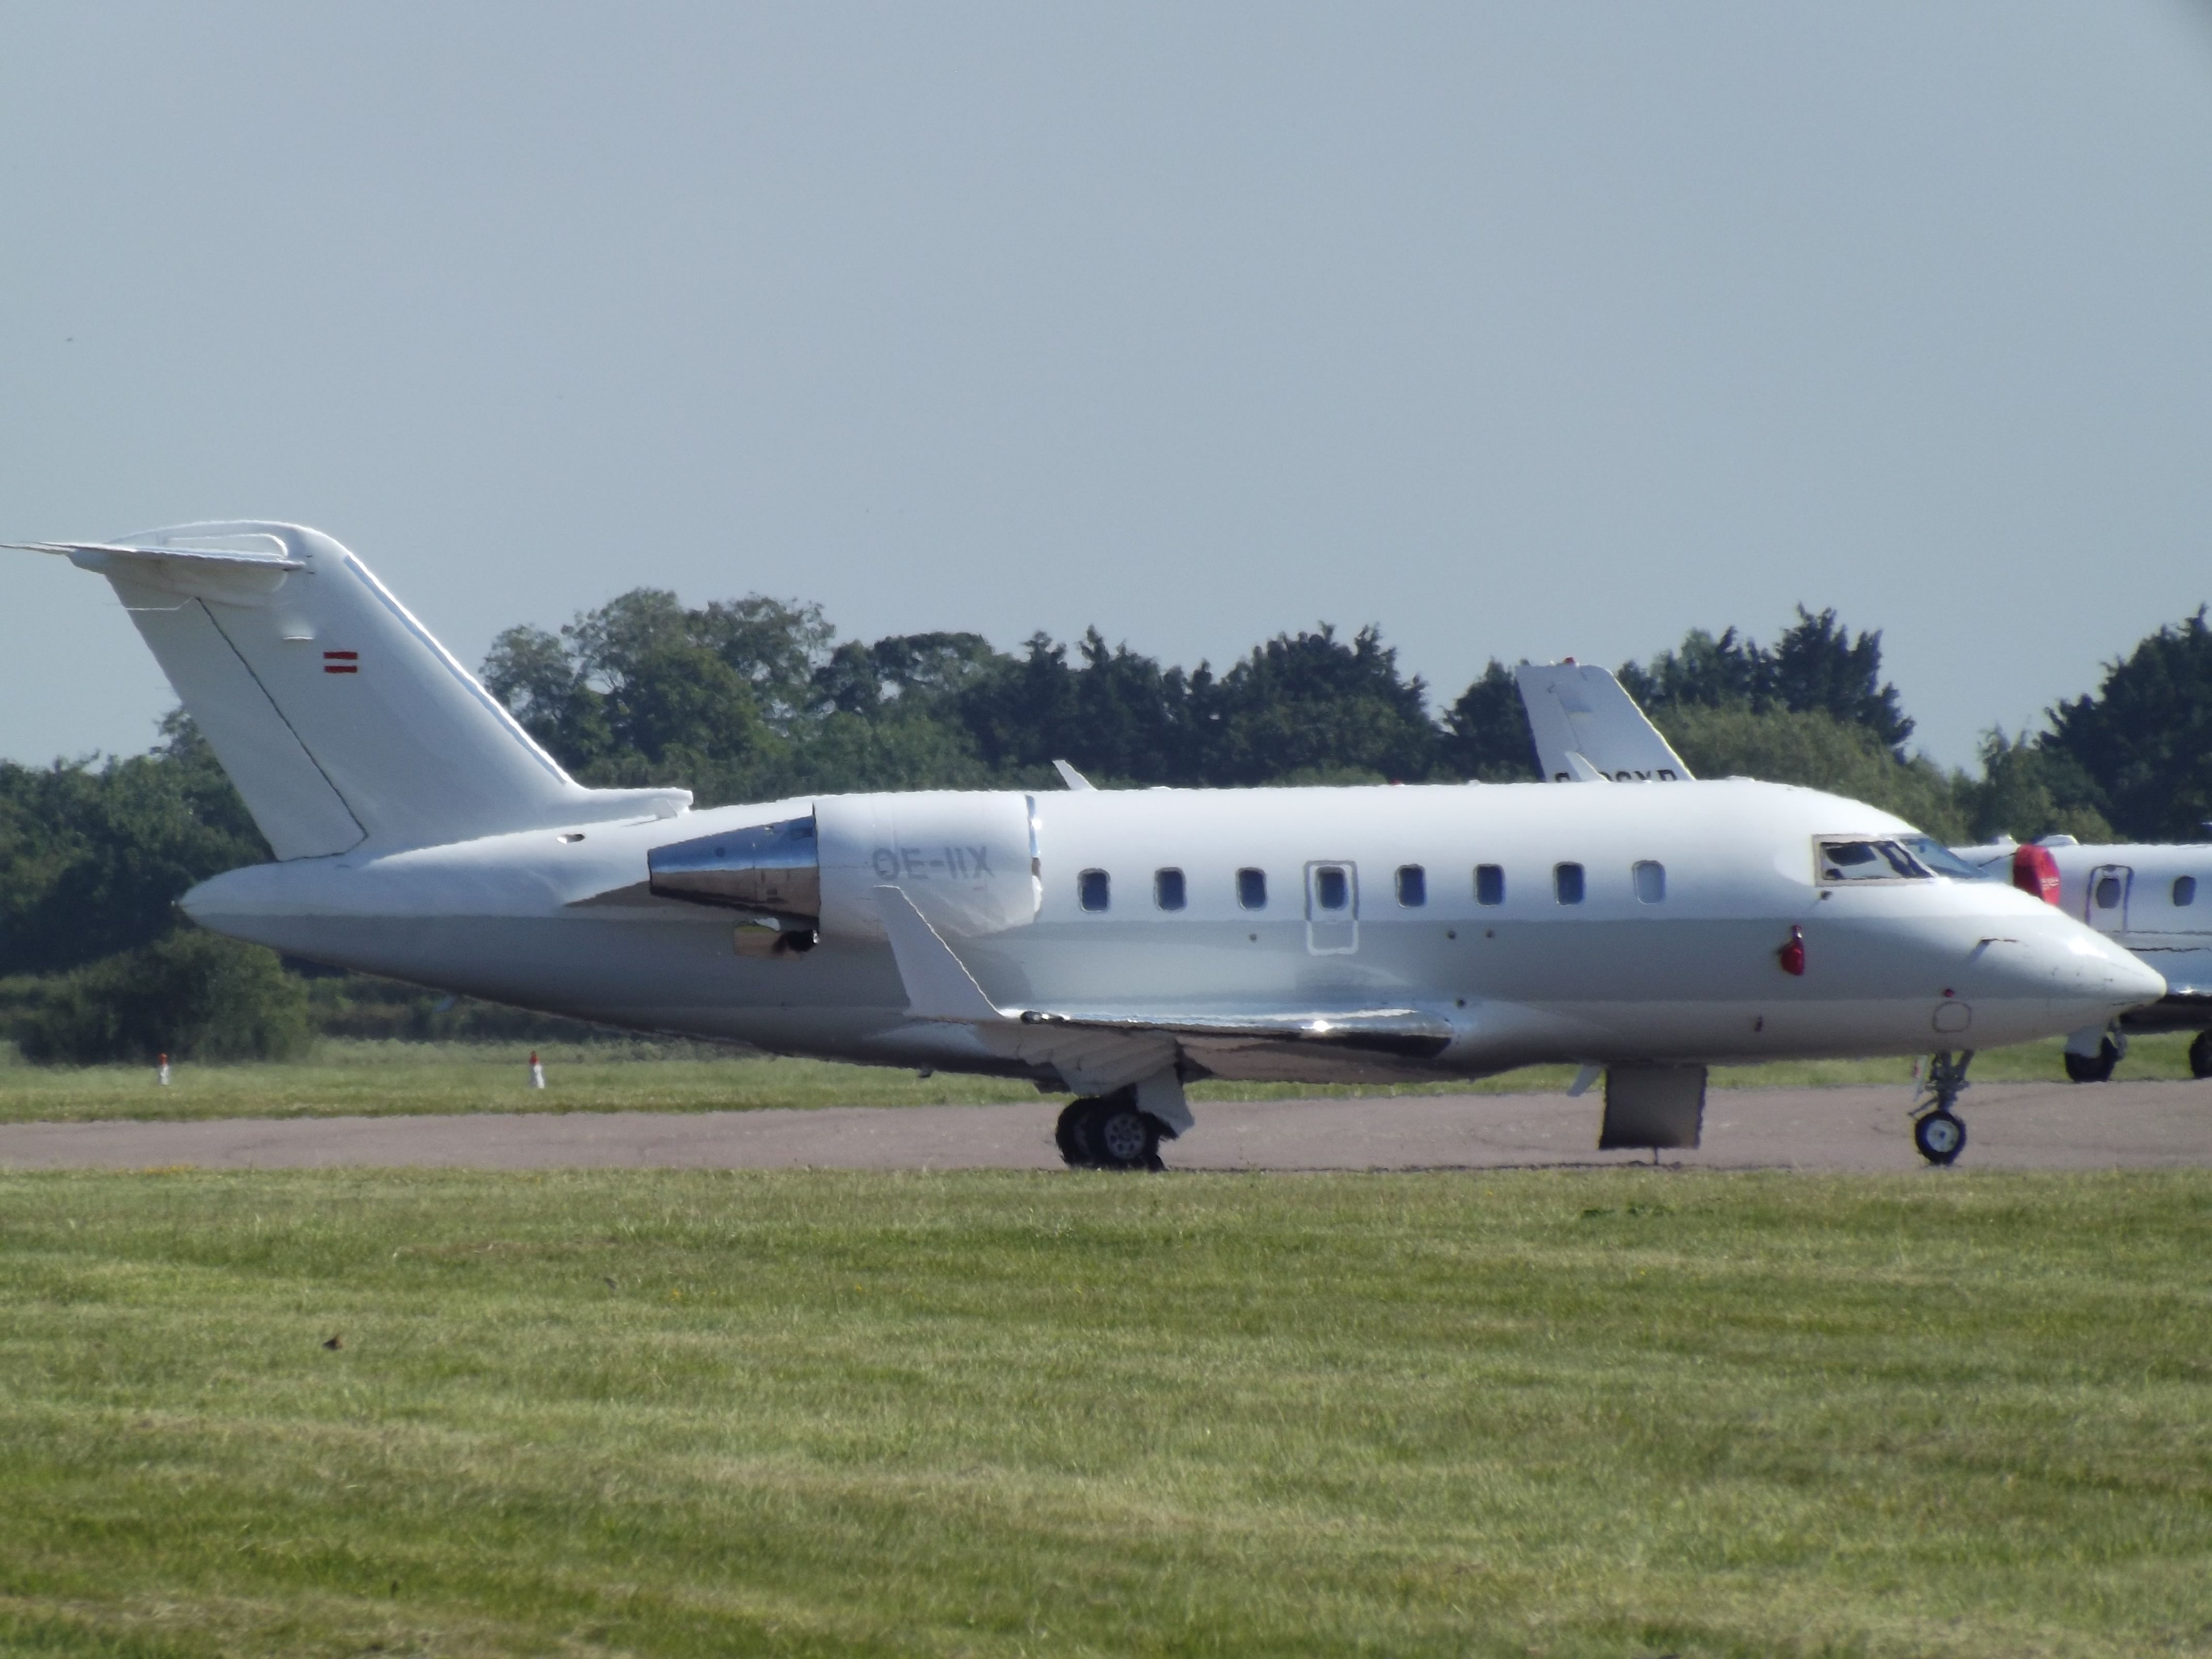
<point>1522,330</point>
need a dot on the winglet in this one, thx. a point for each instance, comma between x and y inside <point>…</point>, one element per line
<point>937,983</point>
<point>1070,777</point>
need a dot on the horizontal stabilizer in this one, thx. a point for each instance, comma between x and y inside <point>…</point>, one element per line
<point>1587,727</point>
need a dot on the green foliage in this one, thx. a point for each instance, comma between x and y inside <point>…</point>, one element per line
<point>1117,716</point>
<point>2029,789</point>
<point>1814,666</point>
<point>190,995</point>
<point>1820,752</point>
<point>739,700</point>
<point>711,1412</point>
<point>1487,731</point>
<point>1310,704</point>
<point>2144,740</point>
<point>93,859</point>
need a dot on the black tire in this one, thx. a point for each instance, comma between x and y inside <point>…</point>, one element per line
<point>1068,1134</point>
<point>2097,1067</point>
<point>1115,1135</point>
<point>1940,1136</point>
<point>2200,1056</point>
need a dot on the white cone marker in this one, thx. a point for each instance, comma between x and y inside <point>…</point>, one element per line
<point>536,1072</point>
<point>161,1070</point>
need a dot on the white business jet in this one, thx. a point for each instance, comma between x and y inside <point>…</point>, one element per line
<point>1112,943</point>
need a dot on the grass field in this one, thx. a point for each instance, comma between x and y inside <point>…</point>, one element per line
<point>1616,1412</point>
<point>379,1078</point>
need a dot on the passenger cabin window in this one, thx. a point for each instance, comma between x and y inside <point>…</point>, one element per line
<point>1567,883</point>
<point>1412,885</point>
<point>1252,889</point>
<point>1489,883</point>
<point>2108,893</point>
<point>1651,882</point>
<point>1331,890</point>
<point>1868,861</point>
<point>2185,891</point>
<point>1092,886</point>
<point>1167,889</point>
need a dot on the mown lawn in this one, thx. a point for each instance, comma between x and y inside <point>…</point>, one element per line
<point>1612,1413</point>
<point>380,1078</point>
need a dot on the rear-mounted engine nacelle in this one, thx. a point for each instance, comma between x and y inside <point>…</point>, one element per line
<point>773,869</point>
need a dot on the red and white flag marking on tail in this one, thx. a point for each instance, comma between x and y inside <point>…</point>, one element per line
<point>342,662</point>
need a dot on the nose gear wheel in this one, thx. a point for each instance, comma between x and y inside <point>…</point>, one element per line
<point>1940,1135</point>
<point>1937,1130</point>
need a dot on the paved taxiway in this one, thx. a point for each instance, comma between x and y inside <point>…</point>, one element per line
<point>2011,1126</point>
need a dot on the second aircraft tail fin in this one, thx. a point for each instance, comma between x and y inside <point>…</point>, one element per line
<point>1588,729</point>
<point>339,718</point>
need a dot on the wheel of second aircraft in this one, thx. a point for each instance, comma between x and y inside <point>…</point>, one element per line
<point>2200,1056</point>
<point>1068,1134</point>
<point>1117,1136</point>
<point>2097,1067</point>
<point>1940,1135</point>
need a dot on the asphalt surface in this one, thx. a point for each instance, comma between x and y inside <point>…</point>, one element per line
<point>2010,1126</point>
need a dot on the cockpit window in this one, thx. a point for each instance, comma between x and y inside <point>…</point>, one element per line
<point>1870,861</point>
<point>1942,860</point>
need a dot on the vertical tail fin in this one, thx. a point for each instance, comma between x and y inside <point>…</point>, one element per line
<point>1580,713</point>
<point>342,721</point>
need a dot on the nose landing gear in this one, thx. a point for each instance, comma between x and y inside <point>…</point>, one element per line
<point>1937,1129</point>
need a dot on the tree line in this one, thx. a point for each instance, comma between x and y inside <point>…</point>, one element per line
<point>756,698</point>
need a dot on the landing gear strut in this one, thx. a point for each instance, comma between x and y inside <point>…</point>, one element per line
<point>2200,1056</point>
<point>1109,1132</point>
<point>1937,1129</point>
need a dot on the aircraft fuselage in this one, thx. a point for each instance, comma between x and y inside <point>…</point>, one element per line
<point>1573,949</point>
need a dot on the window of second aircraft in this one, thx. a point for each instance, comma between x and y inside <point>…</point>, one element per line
<point>1092,886</point>
<point>1489,883</point>
<point>2185,891</point>
<point>1167,889</point>
<point>1412,885</point>
<point>1331,890</point>
<point>1651,882</point>
<point>1252,889</point>
<point>1567,883</point>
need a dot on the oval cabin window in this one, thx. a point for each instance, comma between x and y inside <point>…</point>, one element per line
<point>1651,882</point>
<point>1412,885</point>
<point>1252,889</point>
<point>1489,883</point>
<point>1093,888</point>
<point>1167,889</point>
<point>2185,891</point>
<point>1567,883</point>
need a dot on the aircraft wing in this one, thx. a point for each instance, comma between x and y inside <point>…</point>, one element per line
<point>1588,729</point>
<point>1100,1049</point>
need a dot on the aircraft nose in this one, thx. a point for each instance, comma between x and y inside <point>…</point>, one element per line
<point>2084,965</point>
<point>2138,980</point>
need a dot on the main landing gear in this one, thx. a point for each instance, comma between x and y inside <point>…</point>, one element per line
<point>1110,1132</point>
<point>2200,1056</point>
<point>1937,1129</point>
